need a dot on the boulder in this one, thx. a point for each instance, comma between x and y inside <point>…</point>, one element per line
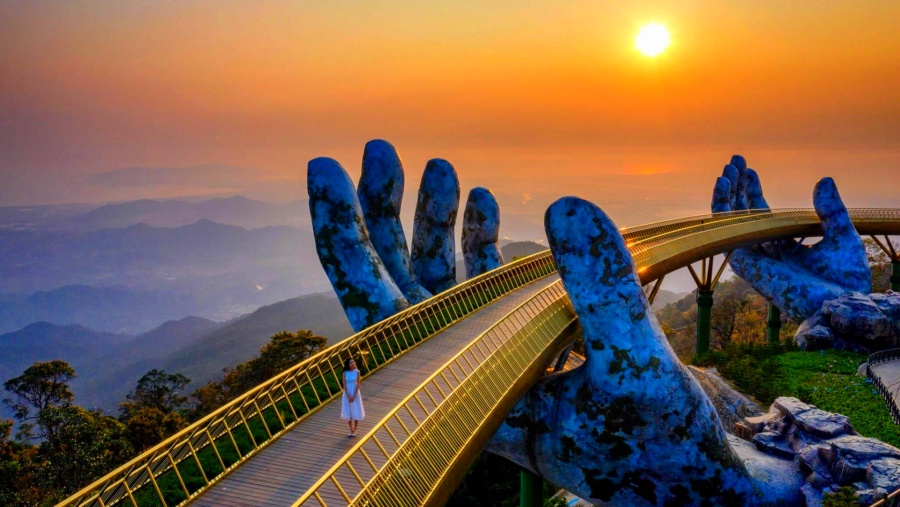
<point>884,473</point>
<point>889,304</point>
<point>814,334</point>
<point>759,422</point>
<point>822,424</point>
<point>861,448</point>
<point>790,407</point>
<point>773,443</point>
<point>856,315</point>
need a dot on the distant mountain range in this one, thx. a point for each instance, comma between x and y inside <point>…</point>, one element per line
<point>236,210</point>
<point>134,278</point>
<point>108,365</point>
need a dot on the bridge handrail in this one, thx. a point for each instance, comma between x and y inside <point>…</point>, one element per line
<point>715,233</point>
<point>469,358</point>
<point>880,357</point>
<point>641,234</point>
<point>441,450</point>
<point>269,407</point>
<point>876,358</point>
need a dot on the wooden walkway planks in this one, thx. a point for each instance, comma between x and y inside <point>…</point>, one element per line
<point>284,470</point>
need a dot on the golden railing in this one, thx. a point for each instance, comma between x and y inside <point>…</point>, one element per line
<point>277,405</point>
<point>413,450</point>
<point>666,246</point>
<point>247,424</point>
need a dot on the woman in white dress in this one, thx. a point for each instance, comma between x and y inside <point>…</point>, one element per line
<point>352,409</point>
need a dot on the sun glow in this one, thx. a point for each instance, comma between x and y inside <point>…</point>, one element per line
<point>652,39</point>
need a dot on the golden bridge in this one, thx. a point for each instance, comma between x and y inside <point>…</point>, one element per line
<point>439,379</point>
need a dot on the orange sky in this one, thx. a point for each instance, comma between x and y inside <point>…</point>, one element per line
<point>539,98</point>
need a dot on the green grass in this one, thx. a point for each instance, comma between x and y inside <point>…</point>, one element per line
<point>826,379</point>
<point>168,482</point>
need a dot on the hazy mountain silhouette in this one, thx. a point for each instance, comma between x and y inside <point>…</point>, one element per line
<point>108,365</point>
<point>207,175</point>
<point>236,210</point>
<point>209,269</point>
<point>116,309</point>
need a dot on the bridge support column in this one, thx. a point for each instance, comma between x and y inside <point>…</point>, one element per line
<point>773,324</point>
<point>531,489</point>
<point>888,248</point>
<point>706,284</point>
<point>704,318</point>
<point>895,275</point>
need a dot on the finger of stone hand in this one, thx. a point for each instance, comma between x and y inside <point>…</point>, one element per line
<point>381,195</point>
<point>481,232</point>
<point>622,341</point>
<point>433,243</point>
<point>721,199</point>
<point>753,191</point>
<point>731,173</point>
<point>360,280</point>
<point>840,257</point>
<point>740,191</point>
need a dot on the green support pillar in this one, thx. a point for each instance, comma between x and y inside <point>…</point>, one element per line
<point>531,489</point>
<point>704,313</point>
<point>895,275</point>
<point>773,324</point>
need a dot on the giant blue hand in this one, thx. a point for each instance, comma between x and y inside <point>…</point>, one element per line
<point>797,278</point>
<point>824,286</point>
<point>632,427</point>
<point>361,243</point>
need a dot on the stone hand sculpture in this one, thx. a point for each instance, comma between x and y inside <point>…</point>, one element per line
<point>632,427</point>
<point>825,286</point>
<point>361,244</point>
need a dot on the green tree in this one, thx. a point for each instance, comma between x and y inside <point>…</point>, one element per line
<point>284,350</point>
<point>148,426</point>
<point>157,389</point>
<point>42,386</point>
<point>155,409</point>
<point>76,446</point>
<point>844,497</point>
<point>87,445</point>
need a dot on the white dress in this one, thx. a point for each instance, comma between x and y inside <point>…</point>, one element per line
<point>355,410</point>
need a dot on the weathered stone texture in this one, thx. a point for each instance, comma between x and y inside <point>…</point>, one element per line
<point>433,244</point>
<point>481,233</point>
<point>827,451</point>
<point>360,280</point>
<point>381,196</point>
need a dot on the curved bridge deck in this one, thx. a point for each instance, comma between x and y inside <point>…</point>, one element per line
<point>282,472</point>
<point>435,393</point>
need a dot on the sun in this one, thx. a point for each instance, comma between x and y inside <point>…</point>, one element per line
<point>652,39</point>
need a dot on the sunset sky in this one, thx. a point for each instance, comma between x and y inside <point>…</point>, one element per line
<point>533,99</point>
